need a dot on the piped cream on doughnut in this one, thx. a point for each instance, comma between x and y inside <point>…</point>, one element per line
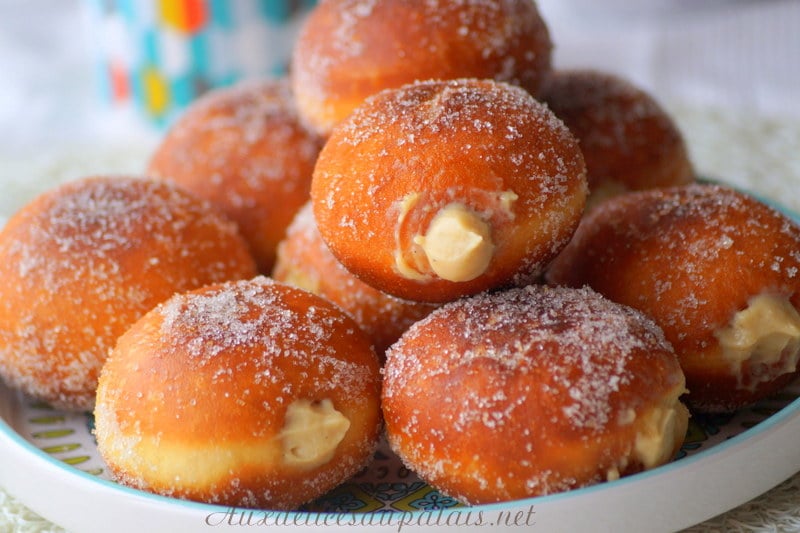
<point>764,334</point>
<point>538,390</point>
<point>458,244</point>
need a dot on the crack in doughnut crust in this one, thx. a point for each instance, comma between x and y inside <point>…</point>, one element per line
<point>694,257</point>
<point>249,393</point>
<point>348,50</point>
<point>408,154</point>
<point>83,261</point>
<point>539,390</point>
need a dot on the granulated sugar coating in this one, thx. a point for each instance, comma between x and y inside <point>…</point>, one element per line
<point>83,261</point>
<point>691,257</point>
<point>530,391</point>
<point>628,140</point>
<point>350,49</point>
<point>243,148</point>
<point>200,398</point>
<point>251,315</point>
<point>487,149</point>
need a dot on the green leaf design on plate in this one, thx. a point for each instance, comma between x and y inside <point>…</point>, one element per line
<point>76,460</point>
<point>52,419</point>
<point>52,433</point>
<point>61,448</point>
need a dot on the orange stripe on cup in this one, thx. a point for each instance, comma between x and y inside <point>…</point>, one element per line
<point>156,92</point>
<point>120,82</point>
<point>187,16</point>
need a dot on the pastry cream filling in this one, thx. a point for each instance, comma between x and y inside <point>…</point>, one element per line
<point>302,280</point>
<point>308,438</point>
<point>661,430</point>
<point>765,333</point>
<point>311,433</point>
<point>401,264</point>
<point>458,244</point>
<point>507,199</point>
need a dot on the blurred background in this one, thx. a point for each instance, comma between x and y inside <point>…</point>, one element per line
<point>67,66</point>
<point>738,54</point>
<point>95,68</point>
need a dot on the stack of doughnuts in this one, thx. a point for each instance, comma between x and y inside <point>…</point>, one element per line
<point>425,231</point>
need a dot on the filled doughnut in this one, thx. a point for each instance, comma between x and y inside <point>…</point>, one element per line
<point>248,393</point>
<point>441,189</point>
<point>305,262</point>
<point>542,390</point>
<point>83,261</point>
<point>348,50</point>
<point>628,140</point>
<point>717,269</point>
<point>244,149</point>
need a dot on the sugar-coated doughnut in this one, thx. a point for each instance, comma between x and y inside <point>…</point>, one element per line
<point>243,148</point>
<point>717,269</point>
<point>83,261</point>
<point>628,140</point>
<point>248,393</point>
<point>348,50</point>
<point>305,261</point>
<point>441,189</point>
<point>541,390</point>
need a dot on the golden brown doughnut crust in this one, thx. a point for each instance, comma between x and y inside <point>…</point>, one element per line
<point>691,257</point>
<point>83,261</point>
<point>407,154</point>
<point>195,398</point>
<point>542,390</point>
<point>348,50</point>
<point>628,140</point>
<point>244,149</point>
<point>305,262</point>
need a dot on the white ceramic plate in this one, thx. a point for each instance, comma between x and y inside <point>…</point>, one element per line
<point>49,461</point>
